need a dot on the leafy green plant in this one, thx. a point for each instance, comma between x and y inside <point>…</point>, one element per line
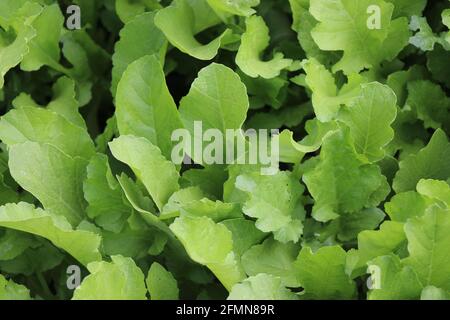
<point>93,205</point>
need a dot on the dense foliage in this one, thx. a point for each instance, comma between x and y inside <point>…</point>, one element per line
<point>358,89</point>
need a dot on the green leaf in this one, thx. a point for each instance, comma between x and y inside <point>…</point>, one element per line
<point>344,26</point>
<point>275,201</point>
<point>119,279</point>
<point>322,274</point>
<point>433,293</point>
<point>218,99</point>
<point>145,107</point>
<point>236,7</point>
<point>435,189</point>
<point>406,205</point>
<point>261,287</point>
<point>104,195</point>
<point>44,47</point>
<point>159,176</point>
<point>369,119</point>
<point>375,243</point>
<point>32,124</point>
<point>129,9</point>
<point>430,103</point>
<point>396,281</point>
<point>424,38</point>
<point>303,23</point>
<point>138,38</point>
<point>82,245</point>
<point>342,181</point>
<point>326,98</point>
<point>253,42</point>
<point>19,23</point>
<point>161,284</point>
<point>245,234</point>
<point>408,7</point>
<point>209,244</point>
<point>432,162</point>
<point>9,290</point>
<point>177,22</point>
<point>428,245</point>
<point>274,258</point>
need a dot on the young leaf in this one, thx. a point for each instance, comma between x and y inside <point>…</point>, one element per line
<point>139,37</point>
<point>261,287</point>
<point>369,118</point>
<point>145,107</point>
<point>322,274</point>
<point>161,284</point>
<point>344,25</point>
<point>82,245</point>
<point>159,176</point>
<point>253,42</point>
<point>119,279</point>
<point>177,22</point>
<point>432,162</point>
<point>209,244</point>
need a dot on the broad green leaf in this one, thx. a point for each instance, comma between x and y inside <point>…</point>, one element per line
<point>217,100</point>
<point>64,101</point>
<point>82,245</point>
<point>275,201</point>
<point>303,23</point>
<point>432,162</point>
<point>322,274</point>
<point>210,179</point>
<point>161,284</point>
<point>104,195</point>
<point>351,225</point>
<point>374,243</point>
<point>435,189</point>
<point>32,124</point>
<point>19,24</point>
<point>326,97</point>
<point>429,102</point>
<point>159,176</point>
<point>177,22</point>
<point>44,47</point>
<point>53,177</point>
<point>345,25</point>
<point>138,38</point>
<point>245,234</point>
<point>391,280</point>
<point>369,118</point>
<point>406,205</point>
<point>144,106</point>
<point>274,258</point>
<point>428,245</point>
<point>209,244</point>
<point>343,181</point>
<point>424,38</point>
<point>9,290</point>
<point>13,243</point>
<point>253,43</point>
<point>119,279</point>
<point>261,287</point>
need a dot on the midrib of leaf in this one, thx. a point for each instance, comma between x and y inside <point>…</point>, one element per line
<point>366,138</point>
